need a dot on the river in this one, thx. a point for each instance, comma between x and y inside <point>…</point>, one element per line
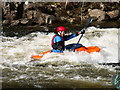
<point>71,70</point>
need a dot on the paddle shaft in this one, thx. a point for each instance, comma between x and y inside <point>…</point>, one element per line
<point>79,39</point>
<point>86,25</point>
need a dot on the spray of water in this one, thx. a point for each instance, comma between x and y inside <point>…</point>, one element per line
<point>15,55</point>
<point>21,49</point>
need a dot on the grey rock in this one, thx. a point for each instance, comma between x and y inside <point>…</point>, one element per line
<point>50,19</point>
<point>30,14</point>
<point>24,21</point>
<point>113,14</point>
<point>14,22</point>
<point>99,14</point>
<point>5,22</point>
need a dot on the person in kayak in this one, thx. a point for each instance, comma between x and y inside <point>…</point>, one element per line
<point>58,40</point>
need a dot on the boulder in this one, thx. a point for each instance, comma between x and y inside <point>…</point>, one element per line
<point>97,13</point>
<point>14,22</point>
<point>38,17</point>
<point>70,20</point>
<point>5,22</point>
<point>30,14</point>
<point>113,14</point>
<point>39,20</point>
<point>50,19</point>
<point>24,21</point>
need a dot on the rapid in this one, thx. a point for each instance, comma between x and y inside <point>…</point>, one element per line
<point>70,70</point>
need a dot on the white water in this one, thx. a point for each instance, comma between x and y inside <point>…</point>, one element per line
<point>15,54</point>
<point>20,50</point>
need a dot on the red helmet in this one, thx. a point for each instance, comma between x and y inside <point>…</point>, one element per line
<point>60,28</point>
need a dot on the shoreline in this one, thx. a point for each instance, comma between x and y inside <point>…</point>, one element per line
<point>24,30</point>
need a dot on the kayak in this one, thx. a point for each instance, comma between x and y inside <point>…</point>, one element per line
<point>73,47</point>
<point>77,48</point>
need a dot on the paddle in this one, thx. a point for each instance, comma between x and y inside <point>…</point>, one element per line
<point>89,21</point>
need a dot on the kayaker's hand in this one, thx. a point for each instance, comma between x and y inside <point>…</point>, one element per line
<point>82,31</point>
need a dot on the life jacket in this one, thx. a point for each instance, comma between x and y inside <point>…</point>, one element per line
<point>52,43</point>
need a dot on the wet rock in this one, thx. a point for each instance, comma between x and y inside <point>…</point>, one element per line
<point>61,15</point>
<point>30,14</point>
<point>10,16</point>
<point>39,19</point>
<point>14,22</point>
<point>97,13</point>
<point>50,19</point>
<point>33,6</point>
<point>5,22</point>
<point>113,14</point>
<point>48,9</point>
<point>24,21</point>
<point>70,20</point>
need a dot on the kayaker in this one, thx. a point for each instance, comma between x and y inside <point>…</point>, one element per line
<point>58,40</point>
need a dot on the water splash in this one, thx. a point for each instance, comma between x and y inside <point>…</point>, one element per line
<point>16,52</point>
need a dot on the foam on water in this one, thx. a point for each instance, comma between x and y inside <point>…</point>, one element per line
<point>15,55</point>
<point>107,41</point>
<point>21,49</point>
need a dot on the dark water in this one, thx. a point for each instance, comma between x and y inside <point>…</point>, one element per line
<point>56,76</point>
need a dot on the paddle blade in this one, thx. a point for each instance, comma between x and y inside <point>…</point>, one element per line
<point>36,57</point>
<point>89,21</point>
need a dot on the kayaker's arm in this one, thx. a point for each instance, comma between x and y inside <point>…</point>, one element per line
<point>68,37</point>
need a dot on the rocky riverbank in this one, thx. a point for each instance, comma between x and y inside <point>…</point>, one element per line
<point>39,13</point>
<point>23,17</point>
